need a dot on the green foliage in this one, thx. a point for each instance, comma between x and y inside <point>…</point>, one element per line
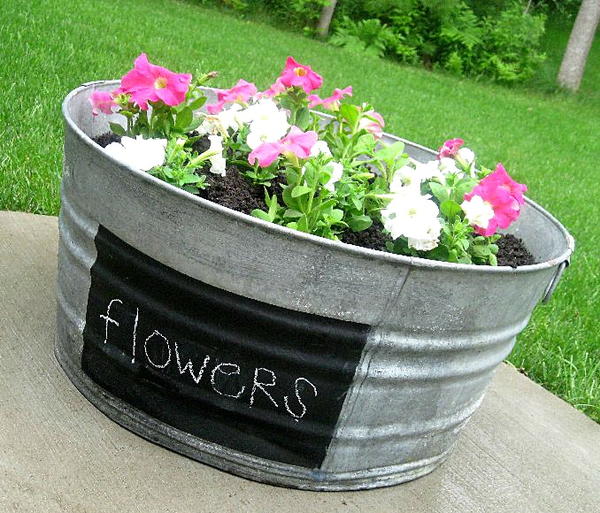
<point>314,203</point>
<point>369,36</point>
<point>512,41</point>
<point>503,46</point>
<point>180,167</point>
<point>298,14</point>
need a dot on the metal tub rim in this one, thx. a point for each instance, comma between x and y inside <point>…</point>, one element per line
<point>357,251</point>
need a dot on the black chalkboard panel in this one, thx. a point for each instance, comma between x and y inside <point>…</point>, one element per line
<point>256,378</point>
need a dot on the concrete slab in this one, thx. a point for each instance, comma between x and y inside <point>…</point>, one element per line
<point>525,450</point>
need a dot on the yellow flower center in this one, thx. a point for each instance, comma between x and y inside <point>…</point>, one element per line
<point>160,83</point>
<point>301,72</point>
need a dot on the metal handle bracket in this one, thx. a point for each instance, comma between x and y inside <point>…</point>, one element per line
<point>555,279</point>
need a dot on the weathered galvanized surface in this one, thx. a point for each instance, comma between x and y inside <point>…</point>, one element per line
<point>524,451</point>
<point>436,331</point>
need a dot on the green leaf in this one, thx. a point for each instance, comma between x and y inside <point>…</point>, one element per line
<point>359,223</point>
<point>326,205</point>
<point>450,209</point>
<point>439,191</point>
<point>336,215</point>
<point>292,213</point>
<point>302,224</point>
<point>364,145</point>
<point>300,190</point>
<point>390,152</point>
<point>196,122</point>
<point>184,118</point>
<point>190,188</point>
<point>261,215</point>
<point>350,113</point>
<point>358,204</point>
<point>273,205</point>
<point>190,178</point>
<point>197,103</point>
<point>303,118</point>
<point>463,187</point>
<point>117,129</point>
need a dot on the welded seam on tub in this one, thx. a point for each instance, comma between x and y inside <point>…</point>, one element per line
<point>372,344</point>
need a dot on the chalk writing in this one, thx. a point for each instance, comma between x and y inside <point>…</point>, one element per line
<point>159,352</point>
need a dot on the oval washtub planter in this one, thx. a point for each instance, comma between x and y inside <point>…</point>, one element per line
<point>269,353</point>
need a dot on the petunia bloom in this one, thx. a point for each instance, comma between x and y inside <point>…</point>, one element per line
<point>372,122</point>
<point>239,93</point>
<point>415,217</point>
<point>296,142</point>
<point>478,212</point>
<point>504,195</point>
<point>276,88</point>
<point>138,153</point>
<point>500,178</point>
<point>333,101</point>
<point>148,82</point>
<point>450,148</point>
<point>102,101</point>
<point>298,75</point>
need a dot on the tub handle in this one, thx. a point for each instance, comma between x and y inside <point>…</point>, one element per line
<point>555,279</point>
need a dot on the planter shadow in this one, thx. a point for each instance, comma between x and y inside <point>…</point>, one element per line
<point>266,352</point>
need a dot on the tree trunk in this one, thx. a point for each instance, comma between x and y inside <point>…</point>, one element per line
<point>325,19</point>
<point>580,42</point>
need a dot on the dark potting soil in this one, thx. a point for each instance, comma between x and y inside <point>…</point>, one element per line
<point>105,139</point>
<point>512,252</point>
<point>371,238</point>
<point>236,192</point>
<point>233,191</point>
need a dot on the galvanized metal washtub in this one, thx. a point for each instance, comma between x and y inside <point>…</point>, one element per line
<point>272,354</point>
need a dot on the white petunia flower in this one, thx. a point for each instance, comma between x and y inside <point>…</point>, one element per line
<point>217,161</point>
<point>337,170</point>
<point>466,158</point>
<point>267,131</point>
<point>267,122</point>
<point>263,110</point>
<point>467,155</point>
<point>230,118</point>
<point>406,178</point>
<point>139,153</point>
<point>223,121</point>
<point>448,165</point>
<point>218,165</point>
<point>477,211</point>
<point>429,170</point>
<point>320,148</point>
<point>415,217</point>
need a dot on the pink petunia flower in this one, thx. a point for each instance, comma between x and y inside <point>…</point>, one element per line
<point>332,102</point>
<point>239,93</point>
<point>504,195</point>
<point>102,101</point>
<point>500,178</point>
<point>298,142</point>
<point>372,122</point>
<point>450,148</point>
<point>148,82</point>
<point>276,88</point>
<point>295,142</point>
<point>298,75</point>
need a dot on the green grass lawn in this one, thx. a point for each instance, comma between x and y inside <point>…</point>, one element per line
<point>549,141</point>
